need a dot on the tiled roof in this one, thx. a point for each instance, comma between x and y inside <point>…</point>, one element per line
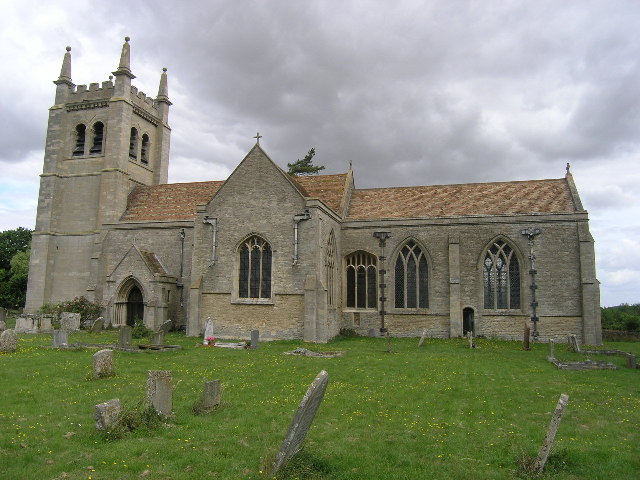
<point>152,262</point>
<point>173,201</point>
<point>328,188</point>
<point>500,198</point>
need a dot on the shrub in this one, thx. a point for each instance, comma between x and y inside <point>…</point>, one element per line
<point>88,310</point>
<point>140,330</point>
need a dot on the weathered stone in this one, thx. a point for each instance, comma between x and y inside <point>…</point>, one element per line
<point>631,361</point>
<point>157,338</point>
<point>125,336</point>
<point>372,332</point>
<point>160,391</point>
<point>470,338</point>
<point>98,325</point>
<point>8,341</point>
<point>552,350</point>
<point>166,327</point>
<point>423,338</point>
<point>302,420</point>
<point>107,414</point>
<point>60,338</point>
<point>26,325</point>
<point>212,394</point>
<point>70,321</point>
<point>3,325</point>
<point>3,314</point>
<point>45,324</point>
<point>103,363</point>
<point>526,338</point>
<point>574,346</point>
<point>255,339</point>
<point>208,331</point>
<point>551,433</point>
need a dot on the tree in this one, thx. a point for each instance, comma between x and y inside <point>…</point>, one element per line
<point>304,167</point>
<point>12,242</point>
<point>14,266</point>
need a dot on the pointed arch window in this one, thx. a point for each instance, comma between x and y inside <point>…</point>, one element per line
<point>501,277</point>
<point>254,279</point>
<point>361,272</point>
<point>133,143</point>
<point>144,149</point>
<point>80,138</point>
<point>411,278</point>
<point>98,138</point>
<point>330,269</point>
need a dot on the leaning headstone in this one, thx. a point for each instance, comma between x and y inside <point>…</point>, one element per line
<point>526,338</point>
<point>157,338</point>
<point>8,341</point>
<point>70,321</point>
<point>423,338</point>
<point>107,414</point>
<point>98,325</point>
<point>302,420</point>
<point>212,394</point>
<point>125,336</point>
<point>551,434</point>
<point>208,331</point>
<point>166,326</point>
<point>573,344</point>
<point>160,391</point>
<point>60,339</point>
<point>255,339</point>
<point>103,364</point>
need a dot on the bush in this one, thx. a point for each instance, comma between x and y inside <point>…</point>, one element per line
<point>88,310</point>
<point>139,329</point>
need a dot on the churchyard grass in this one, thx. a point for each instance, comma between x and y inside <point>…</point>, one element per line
<point>442,411</point>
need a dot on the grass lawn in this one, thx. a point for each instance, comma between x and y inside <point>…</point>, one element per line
<point>442,411</point>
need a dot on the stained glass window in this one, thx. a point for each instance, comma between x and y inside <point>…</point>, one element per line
<point>501,277</point>
<point>255,268</point>
<point>362,285</point>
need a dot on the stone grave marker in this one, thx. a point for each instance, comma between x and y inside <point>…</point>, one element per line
<point>160,391</point>
<point>526,338</point>
<point>255,339</point>
<point>46,323</point>
<point>98,325</point>
<point>372,332</point>
<point>107,414</point>
<point>158,338</point>
<point>302,420</point>
<point>208,331</point>
<point>166,327</point>
<point>573,344</point>
<point>3,325</point>
<point>70,321</point>
<point>8,341</point>
<point>631,361</point>
<point>212,394</point>
<point>551,433</point>
<point>26,325</point>
<point>60,338</point>
<point>552,350</point>
<point>470,338</point>
<point>423,338</point>
<point>125,336</point>
<point>103,364</point>
<point>3,314</point>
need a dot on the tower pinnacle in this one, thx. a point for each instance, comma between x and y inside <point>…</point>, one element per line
<point>65,71</point>
<point>163,89</point>
<point>124,68</point>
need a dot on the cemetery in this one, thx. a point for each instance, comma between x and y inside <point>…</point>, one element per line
<point>354,408</point>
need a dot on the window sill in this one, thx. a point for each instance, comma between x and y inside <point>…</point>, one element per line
<point>502,311</point>
<point>408,311</point>
<point>359,310</point>
<point>252,301</point>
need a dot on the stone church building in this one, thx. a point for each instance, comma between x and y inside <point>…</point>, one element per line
<point>293,257</point>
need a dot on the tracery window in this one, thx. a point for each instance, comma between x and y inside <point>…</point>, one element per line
<point>98,137</point>
<point>254,280</point>
<point>144,149</point>
<point>411,278</point>
<point>501,277</point>
<point>330,268</point>
<point>80,137</point>
<point>362,283</point>
<point>133,143</point>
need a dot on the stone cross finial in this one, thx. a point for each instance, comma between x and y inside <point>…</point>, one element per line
<point>568,167</point>
<point>258,137</point>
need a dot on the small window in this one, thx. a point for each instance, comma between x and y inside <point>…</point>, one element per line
<point>144,149</point>
<point>501,277</point>
<point>133,144</point>
<point>81,132</point>
<point>254,280</point>
<point>98,137</point>
<point>362,282</point>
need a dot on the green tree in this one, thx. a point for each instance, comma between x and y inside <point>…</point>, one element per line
<point>14,266</point>
<point>12,242</point>
<point>305,166</point>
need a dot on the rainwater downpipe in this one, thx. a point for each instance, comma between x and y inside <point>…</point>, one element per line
<point>180,285</point>
<point>296,220</point>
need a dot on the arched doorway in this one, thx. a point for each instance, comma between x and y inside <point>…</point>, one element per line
<point>135,306</point>
<point>467,320</point>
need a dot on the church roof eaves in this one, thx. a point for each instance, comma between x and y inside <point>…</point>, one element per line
<point>327,188</point>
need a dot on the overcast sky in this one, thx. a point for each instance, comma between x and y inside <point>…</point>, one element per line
<point>412,92</point>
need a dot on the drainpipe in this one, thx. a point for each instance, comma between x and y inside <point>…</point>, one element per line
<point>531,233</point>
<point>179,283</point>
<point>296,220</point>
<point>214,226</point>
<point>382,237</point>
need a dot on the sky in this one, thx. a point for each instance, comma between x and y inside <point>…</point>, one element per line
<point>411,92</point>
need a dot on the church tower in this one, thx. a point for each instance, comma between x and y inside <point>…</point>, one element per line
<point>101,142</point>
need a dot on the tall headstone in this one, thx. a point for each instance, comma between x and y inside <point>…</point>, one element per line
<point>98,325</point>
<point>107,414</point>
<point>470,338</point>
<point>125,336</point>
<point>208,331</point>
<point>70,321</point>
<point>423,338</point>
<point>8,341</point>
<point>526,338</point>
<point>160,391</point>
<point>302,420</point>
<point>212,394</point>
<point>60,339</point>
<point>552,350</point>
<point>103,364</point>
<point>157,338</point>
<point>573,344</point>
<point>255,339</point>
<point>551,434</point>
<point>631,361</point>
<point>166,327</point>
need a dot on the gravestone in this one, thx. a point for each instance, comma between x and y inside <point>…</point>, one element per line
<point>107,414</point>
<point>3,325</point>
<point>70,321</point>
<point>255,339</point>
<point>551,434</point>
<point>372,332</point>
<point>26,325</point>
<point>103,364</point>
<point>166,327</point>
<point>45,323</point>
<point>552,350</point>
<point>208,331</point>
<point>423,338</point>
<point>60,338</point>
<point>160,391</point>
<point>470,338</point>
<point>3,314</point>
<point>8,341</point>
<point>302,420</point>
<point>98,325</point>
<point>526,338</point>
<point>125,335</point>
<point>631,361</point>
<point>212,394</point>
<point>573,344</point>
<point>157,338</point>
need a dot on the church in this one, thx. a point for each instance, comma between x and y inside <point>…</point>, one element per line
<point>293,257</point>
